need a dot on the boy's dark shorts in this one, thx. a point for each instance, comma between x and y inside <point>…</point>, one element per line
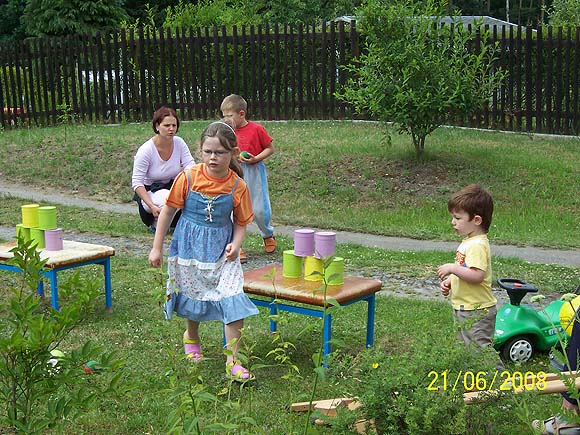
<point>480,326</point>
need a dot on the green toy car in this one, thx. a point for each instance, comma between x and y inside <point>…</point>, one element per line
<point>520,330</point>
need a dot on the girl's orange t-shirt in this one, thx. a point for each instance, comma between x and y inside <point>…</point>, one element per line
<point>207,185</point>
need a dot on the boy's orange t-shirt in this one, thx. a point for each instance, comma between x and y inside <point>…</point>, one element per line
<point>207,185</point>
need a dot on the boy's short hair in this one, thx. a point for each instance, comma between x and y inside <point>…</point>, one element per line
<point>473,200</point>
<point>234,102</point>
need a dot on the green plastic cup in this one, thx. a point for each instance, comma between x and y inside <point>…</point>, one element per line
<point>291,265</point>
<point>334,273</point>
<point>37,235</point>
<point>22,231</point>
<point>47,217</point>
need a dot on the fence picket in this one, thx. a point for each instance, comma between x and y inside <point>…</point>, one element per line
<point>575,87</point>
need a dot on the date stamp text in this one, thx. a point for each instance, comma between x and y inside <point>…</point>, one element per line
<point>485,381</point>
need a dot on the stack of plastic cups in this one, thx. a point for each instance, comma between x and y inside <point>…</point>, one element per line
<point>313,247</point>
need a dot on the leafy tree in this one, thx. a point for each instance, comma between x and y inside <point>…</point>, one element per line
<point>64,17</point>
<point>210,13</point>
<point>143,10</point>
<point>10,11</point>
<point>415,74</point>
<point>565,13</point>
<point>240,12</point>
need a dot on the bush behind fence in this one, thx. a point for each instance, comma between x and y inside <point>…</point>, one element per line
<point>283,72</point>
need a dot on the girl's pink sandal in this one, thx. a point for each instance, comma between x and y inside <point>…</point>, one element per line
<point>237,372</point>
<point>192,349</point>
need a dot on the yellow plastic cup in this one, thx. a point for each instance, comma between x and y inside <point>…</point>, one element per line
<point>313,265</point>
<point>30,215</point>
<point>291,265</point>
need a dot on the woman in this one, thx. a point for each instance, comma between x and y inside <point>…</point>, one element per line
<point>157,163</point>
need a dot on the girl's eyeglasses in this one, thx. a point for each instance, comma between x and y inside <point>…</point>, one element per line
<point>208,153</point>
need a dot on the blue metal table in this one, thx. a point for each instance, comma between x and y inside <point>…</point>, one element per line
<point>74,254</point>
<point>268,281</point>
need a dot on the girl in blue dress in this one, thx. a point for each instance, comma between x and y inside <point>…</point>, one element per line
<point>205,274</point>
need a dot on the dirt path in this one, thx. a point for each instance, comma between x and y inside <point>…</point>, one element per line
<point>529,253</point>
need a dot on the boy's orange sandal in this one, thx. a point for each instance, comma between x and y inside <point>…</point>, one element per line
<point>243,257</point>
<point>269,244</point>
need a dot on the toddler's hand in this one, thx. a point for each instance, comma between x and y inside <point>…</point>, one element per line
<point>445,270</point>
<point>445,287</point>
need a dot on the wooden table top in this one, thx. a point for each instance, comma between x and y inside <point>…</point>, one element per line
<point>73,252</point>
<point>259,282</point>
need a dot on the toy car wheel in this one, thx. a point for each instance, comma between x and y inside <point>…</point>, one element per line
<point>518,349</point>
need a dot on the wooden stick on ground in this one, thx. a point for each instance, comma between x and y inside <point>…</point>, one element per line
<point>550,384</point>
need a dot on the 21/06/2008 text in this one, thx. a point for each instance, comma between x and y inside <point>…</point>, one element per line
<point>486,381</point>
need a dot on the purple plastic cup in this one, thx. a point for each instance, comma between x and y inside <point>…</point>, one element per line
<point>53,240</point>
<point>304,242</point>
<point>324,244</point>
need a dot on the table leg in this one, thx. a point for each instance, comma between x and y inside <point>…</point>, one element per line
<point>273,312</point>
<point>327,335</point>
<point>53,287</point>
<point>40,287</point>
<point>108,287</point>
<point>371,320</point>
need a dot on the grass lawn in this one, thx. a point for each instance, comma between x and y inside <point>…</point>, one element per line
<point>331,175</point>
<point>137,332</point>
<point>343,175</point>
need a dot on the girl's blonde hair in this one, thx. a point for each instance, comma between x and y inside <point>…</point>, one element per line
<point>225,134</point>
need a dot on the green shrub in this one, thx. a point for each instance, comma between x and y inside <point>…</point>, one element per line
<point>41,386</point>
<point>421,391</point>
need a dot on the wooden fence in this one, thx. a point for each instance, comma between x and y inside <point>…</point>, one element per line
<point>541,92</point>
<point>284,73</point>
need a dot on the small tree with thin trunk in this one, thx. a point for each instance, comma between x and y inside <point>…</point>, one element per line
<point>418,74</point>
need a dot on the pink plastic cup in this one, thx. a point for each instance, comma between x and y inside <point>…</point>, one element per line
<point>304,242</point>
<point>324,244</point>
<point>53,240</point>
